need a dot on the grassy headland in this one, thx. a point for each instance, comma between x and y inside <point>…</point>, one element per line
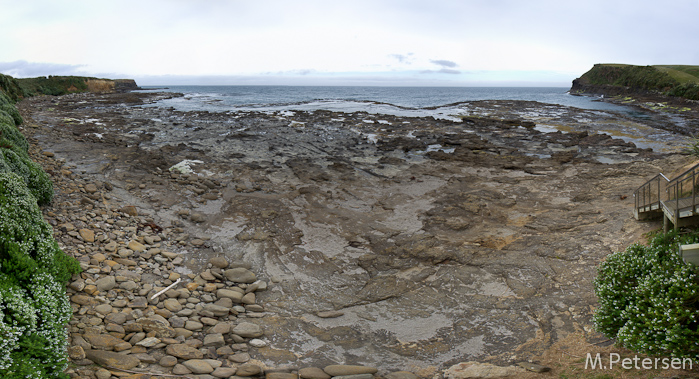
<point>61,85</point>
<point>621,79</point>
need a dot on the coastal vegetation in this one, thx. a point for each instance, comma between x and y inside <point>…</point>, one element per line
<point>53,85</point>
<point>61,85</point>
<point>34,308</point>
<point>615,79</point>
<point>649,298</point>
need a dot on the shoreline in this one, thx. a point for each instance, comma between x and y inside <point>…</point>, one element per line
<point>668,113</point>
<point>285,202</point>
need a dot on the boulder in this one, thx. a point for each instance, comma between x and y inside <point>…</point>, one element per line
<point>217,310</point>
<point>219,262</point>
<point>236,296</point>
<point>248,330</point>
<point>105,283</point>
<point>87,235</point>
<point>198,366</point>
<point>103,341</point>
<point>467,370</point>
<point>215,340</point>
<point>401,375</point>
<point>248,369</point>
<point>129,210</point>
<point>158,325</point>
<point>136,246</point>
<point>224,372</point>
<point>343,370</point>
<point>240,275</point>
<point>183,351</point>
<point>313,373</point>
<point>76,353</point>
<point>112,359</point>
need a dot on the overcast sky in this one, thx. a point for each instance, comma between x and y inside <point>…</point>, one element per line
<point>339,42</point>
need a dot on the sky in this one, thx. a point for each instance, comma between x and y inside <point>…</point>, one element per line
<point>343,42</point>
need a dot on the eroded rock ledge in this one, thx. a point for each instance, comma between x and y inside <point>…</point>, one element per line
<point>390,242</point>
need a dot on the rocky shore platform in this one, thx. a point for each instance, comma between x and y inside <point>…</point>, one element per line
<point>321,244</point>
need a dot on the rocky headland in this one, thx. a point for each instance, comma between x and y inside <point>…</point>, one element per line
<point>667,94</point>
<point>319,244</point>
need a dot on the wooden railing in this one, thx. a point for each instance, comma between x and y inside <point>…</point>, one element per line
<point>682,190</point>
<point>649,196</point>
<point>677,197</point>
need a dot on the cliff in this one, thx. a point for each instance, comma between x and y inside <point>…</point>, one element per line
<point>61,85</point>
<point>630,80</point>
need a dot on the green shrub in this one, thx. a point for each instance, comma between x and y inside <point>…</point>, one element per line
<point>21,221</point>
<point>11,88</point>
<point>649,298</point>
<point>4,99</point>
<point>53,85</point>
<point>13,112</point>
<point>12,135</point>
<point>14,156</point>
<point>34,177</point>
<point>34,308</point>
<point>686,90</point>
<point>6,118</point>
<point>693,147</point>
<point>32,320</point>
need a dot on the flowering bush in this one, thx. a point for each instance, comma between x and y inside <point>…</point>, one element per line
<point>649,298</point>
<point>31,173</point>
<point>32,324</point>
<point>14,157</point>
<point>34,308</point>
<point>22,223</point>
<point>33,305</point>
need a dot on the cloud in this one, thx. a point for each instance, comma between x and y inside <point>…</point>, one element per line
<point>302,72</point>
<point>447,67</point>
<point>444,63</point>
<point>24,69</point>
<point>441,71</point>
<point>403,58</point>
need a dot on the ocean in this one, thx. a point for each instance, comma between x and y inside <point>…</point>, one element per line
<point>438,102</point>
<point>398,101</point>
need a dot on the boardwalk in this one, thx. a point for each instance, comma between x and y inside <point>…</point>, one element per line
<point>674,199</point>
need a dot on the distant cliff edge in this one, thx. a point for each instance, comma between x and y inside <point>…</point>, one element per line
<point>61,85</point>
<point>628,80</point>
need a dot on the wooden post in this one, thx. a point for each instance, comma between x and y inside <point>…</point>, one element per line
<point>694,184</point>
<point>690,253</point>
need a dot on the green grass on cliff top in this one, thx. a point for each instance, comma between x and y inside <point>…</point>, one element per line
<point>681,73</point>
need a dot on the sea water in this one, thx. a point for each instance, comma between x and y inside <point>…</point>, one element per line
<point>439,102</point>
<point>399,101</point>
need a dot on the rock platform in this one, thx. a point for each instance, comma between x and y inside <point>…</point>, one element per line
<point>321,244</point>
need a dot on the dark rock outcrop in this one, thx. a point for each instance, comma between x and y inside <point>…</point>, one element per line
<point>125,85</point>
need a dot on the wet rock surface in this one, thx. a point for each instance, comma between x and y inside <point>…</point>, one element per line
<point>306,240</point>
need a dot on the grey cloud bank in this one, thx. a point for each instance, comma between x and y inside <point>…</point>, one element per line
<point>24,69</point>
<point>444,63</point>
